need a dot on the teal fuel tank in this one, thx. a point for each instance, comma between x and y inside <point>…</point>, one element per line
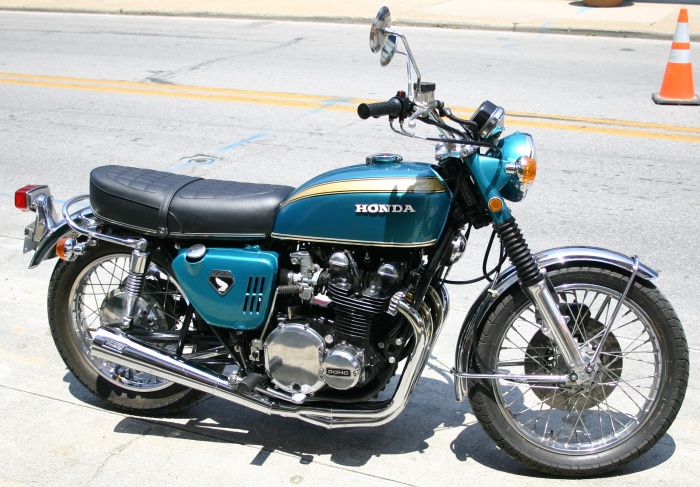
<point>381,204</point>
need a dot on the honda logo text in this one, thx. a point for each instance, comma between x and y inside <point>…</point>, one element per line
<point>384,209</point>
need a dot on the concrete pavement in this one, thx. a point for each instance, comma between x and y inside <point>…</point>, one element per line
<point>58,434</point>
<point>634,18</point>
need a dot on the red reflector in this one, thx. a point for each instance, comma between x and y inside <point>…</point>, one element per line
<point>21,196</point>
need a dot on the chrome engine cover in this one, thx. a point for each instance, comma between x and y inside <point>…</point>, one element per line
<point>342,367</point>
<point>294,357</point>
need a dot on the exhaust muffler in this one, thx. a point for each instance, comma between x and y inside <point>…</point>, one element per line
<point>108,345</point>
<point>117,348</point>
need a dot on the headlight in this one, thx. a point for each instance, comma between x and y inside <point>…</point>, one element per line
<point>518,158</point>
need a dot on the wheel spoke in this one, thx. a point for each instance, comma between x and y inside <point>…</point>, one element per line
<point>595,414</point>
<point>99,283</point>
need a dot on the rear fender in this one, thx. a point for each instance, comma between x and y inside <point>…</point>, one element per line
<point>46,248</point>
<point>548,259</point>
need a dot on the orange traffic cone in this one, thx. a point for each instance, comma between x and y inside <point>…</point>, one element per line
<point>677,86</point>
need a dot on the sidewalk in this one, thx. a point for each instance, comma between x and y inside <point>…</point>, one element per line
<point>635,18</point>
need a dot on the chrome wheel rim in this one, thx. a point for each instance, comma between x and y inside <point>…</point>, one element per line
<point>94,300</point>
<point>590,417</point>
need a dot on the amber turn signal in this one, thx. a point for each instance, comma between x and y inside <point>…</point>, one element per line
<point>495,204</point>
<point>61,248</point>
<point>528,169</point>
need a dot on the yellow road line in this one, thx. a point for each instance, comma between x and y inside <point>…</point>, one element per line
<point>604,121</point>
<point>296,100</point>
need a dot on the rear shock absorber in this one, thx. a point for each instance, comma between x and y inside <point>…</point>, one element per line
<point>518,252</point>
<point>134,285</point>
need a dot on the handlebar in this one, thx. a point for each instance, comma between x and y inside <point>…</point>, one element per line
<point>393,107</point>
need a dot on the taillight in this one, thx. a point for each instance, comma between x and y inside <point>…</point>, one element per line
<point>24,197</point>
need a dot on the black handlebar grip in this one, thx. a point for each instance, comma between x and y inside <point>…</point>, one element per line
<point>392,108</point>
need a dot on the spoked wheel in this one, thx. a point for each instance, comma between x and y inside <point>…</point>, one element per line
<point>590,426</point>
<point>89,293</point>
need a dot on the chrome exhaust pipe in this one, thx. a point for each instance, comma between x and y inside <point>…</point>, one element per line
<point>117,348</point>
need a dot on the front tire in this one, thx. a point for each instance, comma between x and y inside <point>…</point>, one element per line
<point>88,293</point>
<point>591,428</point>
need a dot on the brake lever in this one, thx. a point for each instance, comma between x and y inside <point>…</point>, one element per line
<point>416,114</point>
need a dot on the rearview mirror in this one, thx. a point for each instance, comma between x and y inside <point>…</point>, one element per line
<point>388,50</point>
<point>377,34</point>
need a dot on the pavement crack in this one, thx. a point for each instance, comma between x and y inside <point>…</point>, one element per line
<point>159,81</point>
<point>116,452</point>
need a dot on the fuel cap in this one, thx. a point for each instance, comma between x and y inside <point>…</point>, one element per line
<point>383,159</point>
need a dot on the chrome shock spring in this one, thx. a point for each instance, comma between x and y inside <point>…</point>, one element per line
<point>134,285</point>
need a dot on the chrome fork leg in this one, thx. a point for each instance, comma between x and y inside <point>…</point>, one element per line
<point>555,325</point>
<point>535,286</point>
<point>134,285</point>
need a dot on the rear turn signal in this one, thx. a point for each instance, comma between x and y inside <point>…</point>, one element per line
<point>61,248</point>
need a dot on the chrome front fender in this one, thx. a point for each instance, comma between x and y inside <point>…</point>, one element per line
<point>548,259</point>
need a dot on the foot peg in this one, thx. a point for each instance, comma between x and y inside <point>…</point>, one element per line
<point>249,383</point>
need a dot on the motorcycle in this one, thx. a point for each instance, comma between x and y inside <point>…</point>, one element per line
<point>323,302</point>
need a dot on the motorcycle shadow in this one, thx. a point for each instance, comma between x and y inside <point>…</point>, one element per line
<point>432,412</point>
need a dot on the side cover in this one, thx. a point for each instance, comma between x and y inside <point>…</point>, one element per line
<point>393,204</point>
<point>231,288</point>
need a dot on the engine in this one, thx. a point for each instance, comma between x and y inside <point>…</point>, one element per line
<point>340,330</point>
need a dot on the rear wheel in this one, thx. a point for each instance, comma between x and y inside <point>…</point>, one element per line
<point>89,293</point>
<point>592,427</point>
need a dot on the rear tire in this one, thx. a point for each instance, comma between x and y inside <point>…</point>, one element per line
<point>592,429</point>
<point>85,294</point>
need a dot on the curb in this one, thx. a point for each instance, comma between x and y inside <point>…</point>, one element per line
<point>408,22</point>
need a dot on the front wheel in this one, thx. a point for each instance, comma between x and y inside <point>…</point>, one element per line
<point>579,429</point>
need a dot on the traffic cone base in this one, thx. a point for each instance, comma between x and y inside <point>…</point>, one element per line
<point>659,100</point>
<point>677,86</point>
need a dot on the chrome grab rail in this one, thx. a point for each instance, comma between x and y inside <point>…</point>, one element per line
<point>138,244</point>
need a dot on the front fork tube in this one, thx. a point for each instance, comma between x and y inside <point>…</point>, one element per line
<point>134,285</point>
<point>533,282</point>
<point>555,325</point>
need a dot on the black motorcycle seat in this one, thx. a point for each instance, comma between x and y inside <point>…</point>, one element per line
<point>174,204</point>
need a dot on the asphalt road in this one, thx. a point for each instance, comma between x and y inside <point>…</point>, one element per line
<point>274,102</point>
